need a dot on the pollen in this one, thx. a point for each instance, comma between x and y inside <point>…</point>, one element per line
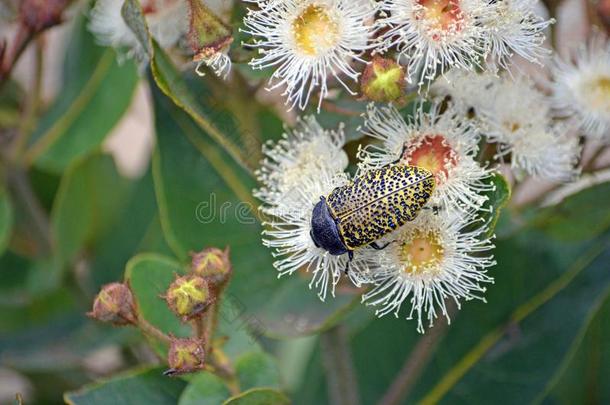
<point>304,161</point>
<point>422,253</point>
<point>315,31</point>
<point>433,153</point>
<point>598,93</point>
<point>440,16</point>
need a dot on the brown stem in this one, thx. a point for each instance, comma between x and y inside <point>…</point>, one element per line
<point>149,329</point>
<point>21,187</point>
<point>590,165</point>
<point>333,108</point>
<point>222,367</point>
<point>415,363</point>
<point>199,328</point>
<point>340,373</point>
<point>22,40</point>
<point>33,104</point>
<point>212,322</point>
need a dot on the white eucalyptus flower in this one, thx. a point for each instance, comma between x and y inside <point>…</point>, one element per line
<point>435,258</point>
<point>308,41</point>
<point>515,28</point>
<point>465,88</point>
<point>581,88</point>
<point>517,116</point>
<point>445,143</point>
<point>288,233</point>
<point>219,61</point>
<point>306,164</point>
<point>301,153</point>
<point>433,35</point>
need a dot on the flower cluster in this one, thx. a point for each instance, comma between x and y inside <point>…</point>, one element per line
<point>472,110</point>
<point>471,122</point>
<point>477,115</point>
<point>306,42</point>
<point>439,255</point>
<point>517,116</point>
<point>192,297</point>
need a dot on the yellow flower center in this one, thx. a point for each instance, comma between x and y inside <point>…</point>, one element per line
<point>512,126</point>
<point>294,173</point>
<point>434,154</point>
<point>422,253</point>
<point>598,91</point>
<point>315,31</point>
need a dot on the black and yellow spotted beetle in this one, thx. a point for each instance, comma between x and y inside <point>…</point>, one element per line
<point>371,206</point>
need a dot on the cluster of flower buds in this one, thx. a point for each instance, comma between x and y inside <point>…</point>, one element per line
<point>190,297</point>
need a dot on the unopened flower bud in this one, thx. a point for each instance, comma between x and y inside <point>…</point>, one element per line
<point>185,356</point>
<point>213,264</point>
<point>38,15</point>
<point>114,304</point>
<point>210,39</point>
<point>383,80</point>
<point>188,296</point>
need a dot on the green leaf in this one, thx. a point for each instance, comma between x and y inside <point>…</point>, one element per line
<point>498,197</point>
<point>345,111</point>
<point>137,230</point>
<point>259,396</point>
<point>204,389</point>
<point>239,132</point>
<point>581,216</point>
<point>508,350</point>
<point>522,353</point>
<point>147,387</point>
<point>257,369</point>
<point>6,220</point>
<point>149,276</point>
<point>233,326</point>
<point>169,81</point>
<point>205,200</point>
<point>11,99</point>
<point>582,377</point>
<point>87,204</point>
<point>95,94</point>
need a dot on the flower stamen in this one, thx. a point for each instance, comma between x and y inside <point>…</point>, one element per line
<point>421,253</point>
<point>315,31</point>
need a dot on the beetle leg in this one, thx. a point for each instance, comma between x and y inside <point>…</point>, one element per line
<point>402,153</point>
<point>375,246</point>
<point>435,209</point>
<point>350,254</point>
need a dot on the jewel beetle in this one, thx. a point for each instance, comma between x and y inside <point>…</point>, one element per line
<point>371,206</point>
